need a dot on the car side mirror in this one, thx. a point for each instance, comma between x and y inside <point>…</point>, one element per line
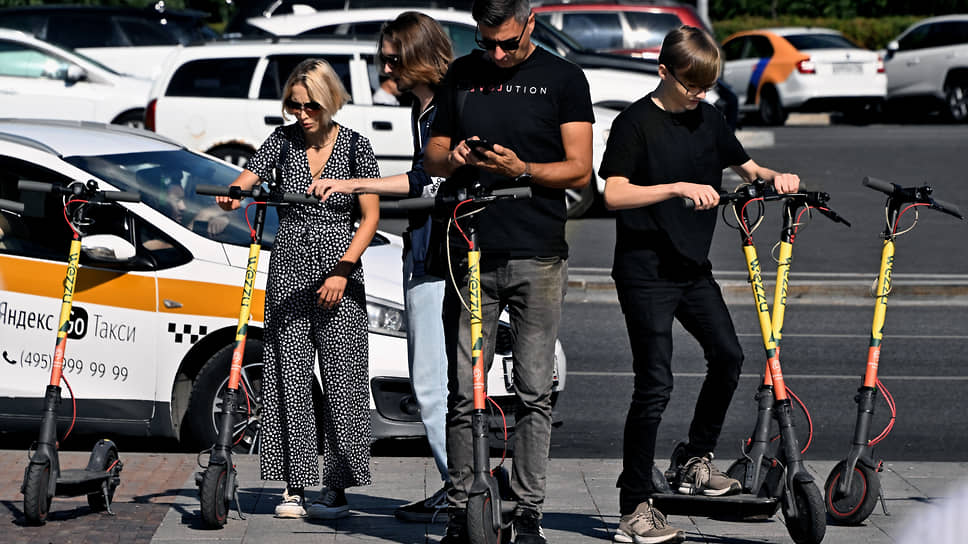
<point>74,74</point>
<point>108,249</point>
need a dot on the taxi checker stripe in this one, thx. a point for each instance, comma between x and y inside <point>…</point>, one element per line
<point>126,290</point>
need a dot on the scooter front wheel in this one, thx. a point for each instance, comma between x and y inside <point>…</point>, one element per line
<point>854,507</point>
<point>480,520</point>
<point>37,493</point>
<point>808,524</point>
<point>215,502</point>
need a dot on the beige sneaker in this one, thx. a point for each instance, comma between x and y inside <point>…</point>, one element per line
<point>291,506</point>
<point>699,475</point>
<point>646,526</point>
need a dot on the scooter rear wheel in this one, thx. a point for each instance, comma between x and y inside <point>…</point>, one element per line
<point>480,520</point>
<point>854,507</point>
<point>36,494</point>
<point>215,502</point>
<point>809,524</point>
<point>97,501</point>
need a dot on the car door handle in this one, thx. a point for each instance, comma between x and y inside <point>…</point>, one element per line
<point>382,125</point>
<point>273,120</point>
<point>912,62</point>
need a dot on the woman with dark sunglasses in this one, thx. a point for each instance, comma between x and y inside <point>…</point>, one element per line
<point>315,304</point>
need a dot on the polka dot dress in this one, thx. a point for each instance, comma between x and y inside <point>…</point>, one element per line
<point>310,242</point>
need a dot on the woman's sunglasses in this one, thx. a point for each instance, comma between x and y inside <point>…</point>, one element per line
<point>308,107</point>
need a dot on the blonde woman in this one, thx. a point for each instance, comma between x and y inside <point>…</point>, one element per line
<point>315,301</point>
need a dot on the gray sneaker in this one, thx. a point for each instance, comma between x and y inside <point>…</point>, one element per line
<point>700,476</point>
<point>646,526</point>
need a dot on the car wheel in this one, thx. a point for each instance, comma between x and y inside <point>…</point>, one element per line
<point>205,405</point>
<point>579,201</point>
<point>956,100</point>
<point>771,109</point>
<point>134,119</point>
<point>234,154</point>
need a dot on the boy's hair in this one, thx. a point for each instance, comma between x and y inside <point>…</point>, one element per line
<point>692,55</point>
<point>495,12</point>
<point>424,48</point>
<point>322,84</point>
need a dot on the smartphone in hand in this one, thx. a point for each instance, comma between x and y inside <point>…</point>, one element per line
<point>479,146</point>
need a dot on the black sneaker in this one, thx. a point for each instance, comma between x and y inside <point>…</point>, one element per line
<point>425,510</point>
<point>527,527</point>
<point>456,532</point>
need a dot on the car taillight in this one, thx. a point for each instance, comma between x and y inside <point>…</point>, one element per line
<point>880,65</point>
<point>150,115</point>
<point>806,66</point>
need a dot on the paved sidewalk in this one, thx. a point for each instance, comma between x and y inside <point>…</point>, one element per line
<point>157,502</point>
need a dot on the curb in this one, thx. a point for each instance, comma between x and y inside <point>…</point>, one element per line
<point>939,290</point>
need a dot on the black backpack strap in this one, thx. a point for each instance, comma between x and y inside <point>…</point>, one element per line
<point>354,142</point>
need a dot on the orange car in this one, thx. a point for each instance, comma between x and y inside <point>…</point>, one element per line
<point>775,71</point>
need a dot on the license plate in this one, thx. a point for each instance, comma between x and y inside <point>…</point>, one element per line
<point>848,68</point>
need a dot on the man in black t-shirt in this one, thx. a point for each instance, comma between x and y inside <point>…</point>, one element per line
<point>672,144</point>
<point>536,110</point>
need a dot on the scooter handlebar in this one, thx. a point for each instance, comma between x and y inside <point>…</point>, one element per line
<point>121,196</point>
<point>423,203</point>
<point>947,208</point>
<point>233,191</point>
<point>36,186</point>
<point>885,187</point>
<point>11,206</point>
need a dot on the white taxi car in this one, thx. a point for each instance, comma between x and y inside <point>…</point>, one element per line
<point>41,80</point>
<point>151,334</point>
<point>778,70</point>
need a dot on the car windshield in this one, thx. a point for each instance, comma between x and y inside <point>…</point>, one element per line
<point>806,42</point>
<point>166,181</point>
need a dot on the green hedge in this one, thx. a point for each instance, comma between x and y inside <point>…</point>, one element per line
<point>867,32</point>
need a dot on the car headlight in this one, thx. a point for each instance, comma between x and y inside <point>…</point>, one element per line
<point>386,317</point>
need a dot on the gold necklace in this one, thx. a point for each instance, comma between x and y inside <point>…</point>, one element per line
<point>327,143</point>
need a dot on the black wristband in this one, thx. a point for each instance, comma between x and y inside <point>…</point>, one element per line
<point>343,269</point>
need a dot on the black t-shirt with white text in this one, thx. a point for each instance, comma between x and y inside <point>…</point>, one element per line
<point>650,146</point>
<point>522,108</point>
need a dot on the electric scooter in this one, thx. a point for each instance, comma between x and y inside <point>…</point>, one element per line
<point>787,484</point>
<point>752,469</point>
<point>850,500</point>
<point>43,477</point>
<point>218,481</point>
<point>488,505</point>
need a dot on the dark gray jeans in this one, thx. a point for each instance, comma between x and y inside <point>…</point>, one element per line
<point>533,290</point>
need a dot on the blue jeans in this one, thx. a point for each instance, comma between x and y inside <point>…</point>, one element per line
<point>533,290</point>
<point>649,311</point>
<point>424,300</point>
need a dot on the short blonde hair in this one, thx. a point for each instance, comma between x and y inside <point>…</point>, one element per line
<point>692,54</point>
<point>322,84</point>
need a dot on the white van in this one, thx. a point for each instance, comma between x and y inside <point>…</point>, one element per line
<point>150,336</point>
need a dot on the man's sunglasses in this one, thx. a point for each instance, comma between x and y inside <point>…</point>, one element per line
<point>394,61</point>
<point>507,46</point>
<point>308,107</point>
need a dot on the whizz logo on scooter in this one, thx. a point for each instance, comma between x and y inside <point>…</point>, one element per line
<point>71,276</point>
<point>758,290</point>
<point>249,281</point>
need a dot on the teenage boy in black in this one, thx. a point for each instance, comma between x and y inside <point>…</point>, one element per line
<point>536,110</point>
<point>672,144</point>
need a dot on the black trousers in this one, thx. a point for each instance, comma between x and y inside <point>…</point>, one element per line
<point>649,311</point>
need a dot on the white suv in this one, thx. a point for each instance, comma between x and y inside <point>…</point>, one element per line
<point>929,61</point>
<point>41,80</point>
<point>225,99</point>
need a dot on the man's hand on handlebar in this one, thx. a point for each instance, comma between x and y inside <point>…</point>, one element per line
<point>786,183</point>
<point>322,188</point>
<point>704,196</point>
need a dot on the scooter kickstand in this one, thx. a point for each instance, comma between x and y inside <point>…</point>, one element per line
<point>238,505</point>
<point>107,499</point>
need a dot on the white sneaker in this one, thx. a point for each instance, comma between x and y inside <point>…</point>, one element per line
<point>331,504</point>
<point>291,506</point>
